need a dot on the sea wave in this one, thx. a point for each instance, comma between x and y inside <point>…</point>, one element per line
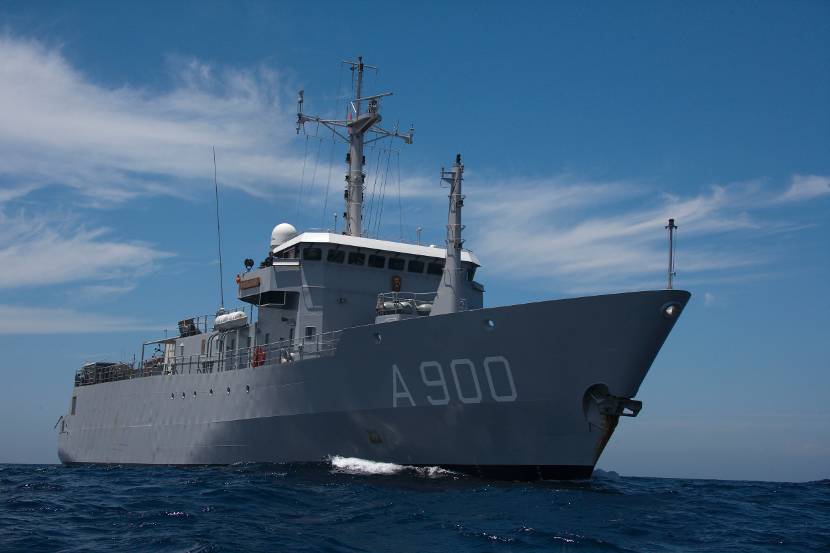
<point>349,504</point>
<point>356,465</point>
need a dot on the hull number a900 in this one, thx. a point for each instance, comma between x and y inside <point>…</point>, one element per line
<point>436,386</point>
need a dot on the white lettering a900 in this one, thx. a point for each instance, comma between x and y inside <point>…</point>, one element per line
<point>433,388</point>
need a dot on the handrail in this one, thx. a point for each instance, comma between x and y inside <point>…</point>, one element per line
<point>284,351</point>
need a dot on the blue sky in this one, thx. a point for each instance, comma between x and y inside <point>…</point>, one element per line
<point>583,127</point>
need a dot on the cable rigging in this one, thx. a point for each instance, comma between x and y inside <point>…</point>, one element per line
<point>383,193</point>
<point>337,100</point>
<point>400,203</point>
<point>302,177</point>
<point>371,207</point>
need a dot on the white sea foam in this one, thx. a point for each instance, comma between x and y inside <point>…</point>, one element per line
<point>355,465</point>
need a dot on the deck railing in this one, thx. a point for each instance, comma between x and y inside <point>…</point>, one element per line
<point>285,351</point>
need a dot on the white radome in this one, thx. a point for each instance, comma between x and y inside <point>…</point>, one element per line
<point>282,233</point>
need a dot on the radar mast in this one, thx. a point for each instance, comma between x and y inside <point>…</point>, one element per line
<point>353,131</point>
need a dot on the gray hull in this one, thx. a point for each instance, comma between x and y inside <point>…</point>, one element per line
<point>501,391</point>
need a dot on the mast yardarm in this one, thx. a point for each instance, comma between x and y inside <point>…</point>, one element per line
<point>354,132</point>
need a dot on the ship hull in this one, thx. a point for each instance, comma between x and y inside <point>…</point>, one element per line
<point>500,392</point>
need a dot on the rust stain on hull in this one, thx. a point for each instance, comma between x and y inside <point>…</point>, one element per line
<point>607,430</point>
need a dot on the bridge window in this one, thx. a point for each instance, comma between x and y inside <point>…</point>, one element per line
<point>416,266</point>
<point>313,254</point>
<point>377,261</point>
<point>396,263</point>
<point>357,258</point>
<point>471,273</point>
<point>336,256</point>
<point>290,253</point>
<point>435,268</point>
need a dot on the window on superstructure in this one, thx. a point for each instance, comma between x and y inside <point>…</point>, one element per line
<point>290,253</point>
<point>312,254</point>
<point>416,266</point>
<point>336,256</point>
<point>396,263</point>
<point>357,258</point>
<point>435,268</point>
<point>74,404</point>
<point>310,332</point>
<point>471,273</point>
<point>377,261</point>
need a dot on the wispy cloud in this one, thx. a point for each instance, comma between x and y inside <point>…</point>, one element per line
<point>105,291</point>
<point>590,237</point>
<point>112,143</point>
<point>41,320</point>
<point>806,187</point>
<point>36,251</point>
<point>58,127</point>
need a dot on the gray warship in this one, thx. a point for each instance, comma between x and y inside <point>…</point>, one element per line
<point>384,350</point>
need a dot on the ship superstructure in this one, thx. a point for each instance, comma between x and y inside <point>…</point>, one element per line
<point>356,346</point>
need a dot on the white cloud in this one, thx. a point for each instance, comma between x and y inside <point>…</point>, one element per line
<point>36,251</point>
<point>58,127</point>
<point>552,231</point>
<point>40,320</point>
<point>104,291</point>
<point>806,187</point>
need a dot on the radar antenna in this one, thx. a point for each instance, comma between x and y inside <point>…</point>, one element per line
<point>353,131</point>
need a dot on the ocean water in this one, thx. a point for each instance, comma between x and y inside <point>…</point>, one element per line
<point>356,505</point>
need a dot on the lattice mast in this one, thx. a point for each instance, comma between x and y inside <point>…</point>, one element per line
<point>353,131</point>
<point>446,301</point>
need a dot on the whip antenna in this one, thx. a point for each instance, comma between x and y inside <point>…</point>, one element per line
<point>671,273</point>
<point>218,233</point>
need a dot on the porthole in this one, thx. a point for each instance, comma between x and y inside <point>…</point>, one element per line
<point>228,390</point>
<point>194,393</point>
<point>378,337</point>
<point>211,391</point>
<point>182,395</point>
<point>172,395</point>
<point>247,389</point>
<point>489,324</point>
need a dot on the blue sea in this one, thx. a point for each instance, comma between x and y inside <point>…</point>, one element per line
<point>356,505</point>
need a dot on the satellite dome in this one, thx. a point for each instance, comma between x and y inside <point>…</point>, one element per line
<point>282,233</point>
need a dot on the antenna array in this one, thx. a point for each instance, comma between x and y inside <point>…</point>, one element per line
<point>353,131</point>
